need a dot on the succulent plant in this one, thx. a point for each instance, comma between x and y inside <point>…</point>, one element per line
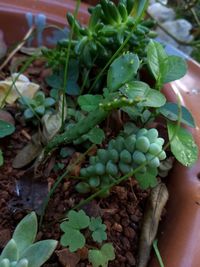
<point>37,106</point>
<point>122,155</point>
<point>20,250</point>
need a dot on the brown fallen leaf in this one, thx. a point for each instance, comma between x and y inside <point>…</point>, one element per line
<point>16,86</point>
<point>28,153</point>
<point>156,202</point>
<point>67,259</point>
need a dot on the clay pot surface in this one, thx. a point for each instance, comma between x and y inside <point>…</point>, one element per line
<point>179,236</point>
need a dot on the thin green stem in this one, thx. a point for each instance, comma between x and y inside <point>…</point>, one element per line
<point>67,62</point>
<point>58,181</point>
<point>157,252</point>
<point>23,68</point>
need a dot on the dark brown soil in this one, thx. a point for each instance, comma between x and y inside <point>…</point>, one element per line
<point>122,211</point>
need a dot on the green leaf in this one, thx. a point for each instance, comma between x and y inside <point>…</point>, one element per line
<point>140,91</point>
<point>39,253</point>
<point>96,136</point>
<point>40,110</point>
<point>28,114</point>
<point>103,256</point>
<point>66,152</point>
<point>89,102</point>
<point>6,128</point>
<point>122,70</point>
<point>182,145</point>
<point>72,236</point>
<point>139,8</point>
<point>171,112</point>
<point>147,179</point>
<point>98,229</point>
<point>10,251</point>
<point>174,69</point>
<point>156,55</point>
<point>1,158</point>
<point>25,232</point>
<point>49,102</point>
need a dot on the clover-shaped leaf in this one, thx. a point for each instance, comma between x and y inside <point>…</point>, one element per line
<point>98,229</point>
<point>72,236</point>
<point>101,257</point>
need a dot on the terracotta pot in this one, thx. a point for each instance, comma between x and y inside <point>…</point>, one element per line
<point>179,235</point>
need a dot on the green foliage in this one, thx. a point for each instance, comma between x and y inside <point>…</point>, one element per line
<point>72,236</point>
<point>141,91</point>
<point>163,67</point>
<point>171,112</point>
<point>123,155</point>
<point>89,102</point>
<point>74,239</point>
<point>36,107</point>
<point>95,135</point>
<point>101,257</point>
<point>108,27</point>
<point>20,250</point>
<point>98,229</point>
<point>6,128</point>
<point>122,70</point>
<point>182,145</point>
<point>56,79</point>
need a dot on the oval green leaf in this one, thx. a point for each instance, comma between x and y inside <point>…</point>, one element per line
<point>6,128</point>
<point>182,145</point>
<point>171,112</point>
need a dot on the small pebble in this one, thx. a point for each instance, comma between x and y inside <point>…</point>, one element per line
<point>117,227</point>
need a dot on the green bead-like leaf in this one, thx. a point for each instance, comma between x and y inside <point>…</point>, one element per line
<point>171,111</point>
<point>103,256</point>
<point>39,253</point>
<point>25,232</point>
<point>89,102</point>
<point>98,229</point>
<point>6,128</point>
<point>182,145</point>
<point>122,70</point>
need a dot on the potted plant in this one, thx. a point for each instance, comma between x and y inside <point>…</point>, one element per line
<point>105,108</point>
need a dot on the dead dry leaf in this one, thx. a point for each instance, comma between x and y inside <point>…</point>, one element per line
<point>68,259</point>
<point>156,202</point>
<point>28,153</point>
<point>16,86</point>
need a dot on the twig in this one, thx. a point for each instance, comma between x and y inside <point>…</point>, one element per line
<point>17,48</point>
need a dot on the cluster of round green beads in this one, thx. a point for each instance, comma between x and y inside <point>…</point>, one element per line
<point>122,156</point>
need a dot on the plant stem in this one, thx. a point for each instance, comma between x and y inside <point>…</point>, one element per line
<point>82,127</point>
<point>58,181</point>
<point>67,63</point>
<point>155,246</point>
